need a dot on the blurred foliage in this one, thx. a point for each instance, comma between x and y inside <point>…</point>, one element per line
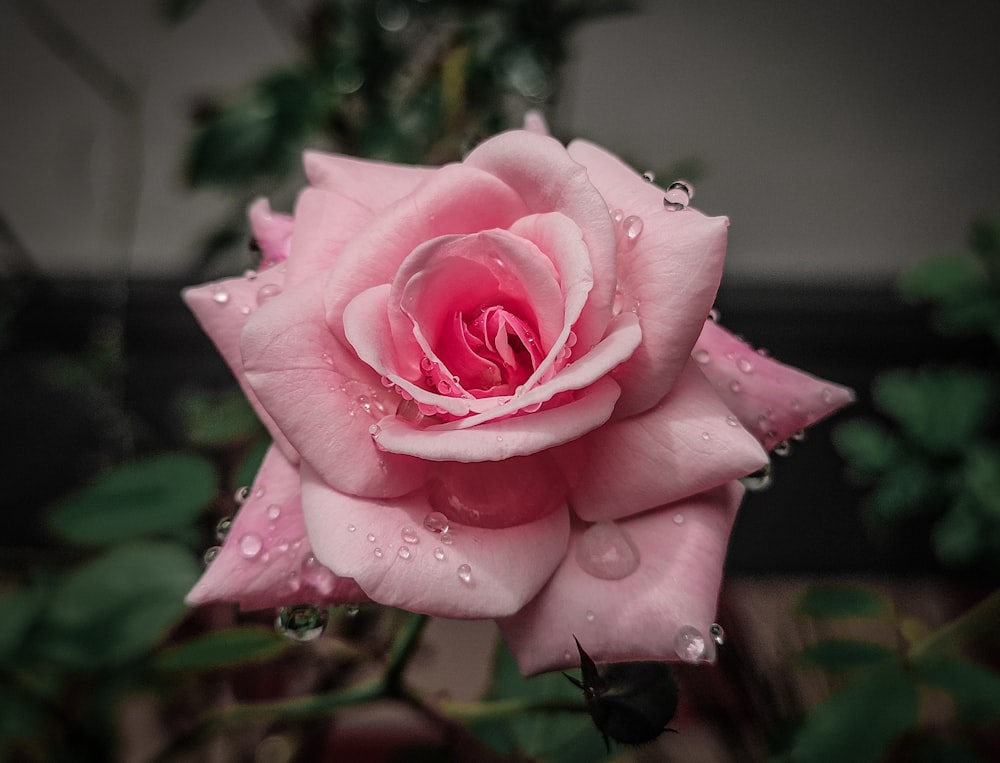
<point>936,454</point>
<point>394,80</point>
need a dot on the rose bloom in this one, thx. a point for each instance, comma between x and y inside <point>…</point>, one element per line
<point>493,393</point>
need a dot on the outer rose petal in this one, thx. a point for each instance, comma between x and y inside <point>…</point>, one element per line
<point>325,400</point>
<point>266,560</point>
<point>772,400</point>
<point>685,445</point>
<point>506,568</point>
<point>347,194</point>
<point>636,617</point>
<point>271,231</point>
<point>223,308</point>
<point>672,273</point>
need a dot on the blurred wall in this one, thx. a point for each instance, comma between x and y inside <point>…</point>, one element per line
<point>844,140</point>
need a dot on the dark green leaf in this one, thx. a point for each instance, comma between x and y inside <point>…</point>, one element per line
<point>944,278</point>
<point>838,654</point>
<point>21,717</point>
<point>153,496</point>
<point>958,536</point>
<point>555,737</point>
<point>984,238</point>
<point>974,688</point>
<point>117,606</point>
<point>19,610</point>
<point>982,477</point>
<point>250,465</point>
<point>833,601</point>
<point>223,648</point>
<point>939,409</point>
<point>221,420</point>
<point>860,722</point>
<point>868,447</point>
<point>904,490</point>
<point>978,313</point>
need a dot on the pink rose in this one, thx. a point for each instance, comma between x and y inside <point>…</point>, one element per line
<point>480,383</point>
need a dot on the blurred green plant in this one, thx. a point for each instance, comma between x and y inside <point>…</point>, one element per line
<point>936,454</point>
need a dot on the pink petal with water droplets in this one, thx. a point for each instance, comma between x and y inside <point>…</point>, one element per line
<point>635,617</point>
<point>347,194</point>
<point>503,569</point>
<point>671,274</point>
<point>266,560</point>
<point>223,309</point>
<point>685,445</point>
<point>321,397</point>
<point>272,232</point>
<point>772,400</point>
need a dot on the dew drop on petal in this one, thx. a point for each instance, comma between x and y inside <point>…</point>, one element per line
<point>439,554</point>
<point>718,635</point>
<point>266,292</point>
<point>714,315</point>
<point>465,573</point>
<point>378,553</point>
<point>210,554</point>
<point>274,511</point>
<point>605,551</point>
<point>617,215</point>
<point>701,356</point>
<point>222,528</point>
<point>221,297</point>
<point>370,537</point>
<point>799,436</point>
<point>301,623</point>
<point>783,448</point>
<point>409,535</point>
<point>404,552</point>
<point>648,176</point>
<point>590,616</point>
<point>758,480</point>
<point>678,519</point>
<point>744,365</point>
<point>436,522</point>
<point>706,436</point>
<point>241,495</point>
<point>732,420</point>
<point>447,538</point>
<point>690,644</point>
<point>827,395</point>
<point>632,225</point>
<point>352,528</point>
<point>735,386</point>
<point>250,545</point>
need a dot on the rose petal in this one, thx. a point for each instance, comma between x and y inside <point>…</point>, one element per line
<point>671,273</point>
<point>347,194</point>
<point>266,559</point>
<point>325,400</point>
<point>483,573</point>
<point>681,549</point>
<point>538,168</point>
<point>772,400</point>
<point>503,438</point>
<point>222,308</point>
<point>687,444</point>
<point>271,231</point>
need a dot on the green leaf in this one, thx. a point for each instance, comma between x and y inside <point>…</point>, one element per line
<point>868,447</point>
<point>19,610</point>
<point>837,654</point>
<point>958,536</point>
<point>220,420</point>
<point>830,601</point>
<point>250,465</point>
<point>117,606</point>
<point>982,477</point>
<point>938,409</point>
<point>944,278</point>
<point>904,490</point>
<point>223,648</point>
<point>978,313</point>
<point>554,737</point>
<point>153,496</point>
<point>974,688</point>
<point>860,722</point>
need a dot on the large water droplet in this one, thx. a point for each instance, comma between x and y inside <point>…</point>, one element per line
<point>701,356</point>
<point>241,495</point>
<point>606,552</point>
<point>409,535</point>
<point>210,554</point>
<point>222,528</point>
<point>250,545</point>
<point>404,552</point>
<point>221,297</point>
<point>678,195</point>
<point>266,292</point>
<point>301,623</point>
<point>690,644</point>
<point>465,573</point>
<point>274,511</point>
<point>783,448</point>
<point>436,522</point>
<point>718,635</point>
<point>744,365</point>
<point>758,480</point>
<point>632,225</point>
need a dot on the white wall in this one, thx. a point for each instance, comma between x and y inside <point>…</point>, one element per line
<point>845,140</point>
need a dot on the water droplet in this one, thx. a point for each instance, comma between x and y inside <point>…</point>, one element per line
<point>619,304</point>
<point>706,436</point>
<point>371,537</point>
<point>718,635</point>
<point>827,395</point>
<point>689,644</point>
<point>735,386</point>
<point>392,15</point>
<point>222,528</point>
<point>648,176</point>
<point>605,551</point>
<point>374,430</point>
<point>351,610</point>
<point>317,575</point>
<point>783,448</point>
<point>352,528</point>
<point>210,554</point>
<point>632,225</point>
<point>404,552</point>
<point>732,420</point>
<point>436,522</point>
<point>378,553</point>
<point>758,480</point>
<point>439,554</point>
<point>465,573</point>
<point>744,365</point>
<point>250,274</point>
<point>799,436</point>
<point>409,535</point>
<point>568,656</point>
<point>678,195</point>
<point>590,616</point>
<point>301,623</point>
<point>274,511</point>
<point>617,215</point>
<point>266,292</point>
<point>221,297</point>
<point>447,538</point>
<point>714,315</point>
<point>259,492</point>
<point>678,519</point>
<point>701,356</point>
<point>241,495</point>
<point>250,545</point>
<point>244,310</point>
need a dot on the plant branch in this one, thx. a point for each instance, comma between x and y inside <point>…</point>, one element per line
<point>971,624</point>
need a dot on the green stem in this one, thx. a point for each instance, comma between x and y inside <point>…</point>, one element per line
<point>503,708</point>
<point>974,622</point>
<point>403,647</point>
